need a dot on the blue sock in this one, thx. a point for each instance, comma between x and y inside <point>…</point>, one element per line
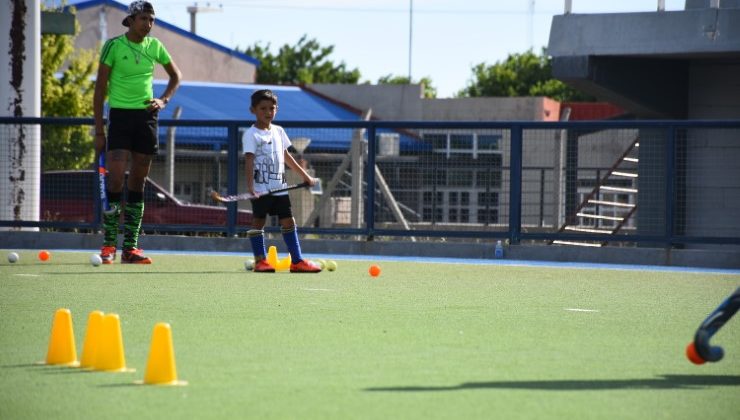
<point>291,240</point>
<point>257,238</point>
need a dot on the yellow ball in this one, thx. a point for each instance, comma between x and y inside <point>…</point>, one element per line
<point>331,265</point>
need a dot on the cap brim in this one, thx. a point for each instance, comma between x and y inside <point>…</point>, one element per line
<point>125,21</point>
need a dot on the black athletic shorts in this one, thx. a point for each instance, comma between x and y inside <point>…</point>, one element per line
<point>272,204</point>
<point>133,129</point>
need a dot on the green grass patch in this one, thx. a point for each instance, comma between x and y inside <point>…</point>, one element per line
<point>422,340</point>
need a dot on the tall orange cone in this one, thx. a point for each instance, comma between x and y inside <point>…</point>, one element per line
<point>62,350</point>
<point>92,339</point>
<point>160,368</point>
<point>109,355</point>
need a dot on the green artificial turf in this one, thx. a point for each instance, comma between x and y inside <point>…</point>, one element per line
<point>422,340</point>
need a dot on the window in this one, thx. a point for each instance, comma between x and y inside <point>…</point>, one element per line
<point>465,198</point>
<point>488,178</point>
<point>452,198</point>
<point>464,215</point>
<point>488,216</point>
<point>489,141</point>
<point>452,215</point>
<point>461,141</point>
<point>427,197</point>
<point>438,141</point>
<point>488,199</point>
<point>461,178</point>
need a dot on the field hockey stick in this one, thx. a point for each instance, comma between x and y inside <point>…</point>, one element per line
<point>249,196</point>
<point>104,204</point>
<point>710,326</point>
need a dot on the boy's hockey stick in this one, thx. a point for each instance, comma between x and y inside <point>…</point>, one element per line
<point>699,350</point>
<point>247,196</point>
<point>104,204</point>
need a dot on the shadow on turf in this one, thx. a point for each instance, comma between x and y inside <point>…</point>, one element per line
<point>662,382</point>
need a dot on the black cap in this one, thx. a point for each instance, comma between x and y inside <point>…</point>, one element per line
<point>136,7</point>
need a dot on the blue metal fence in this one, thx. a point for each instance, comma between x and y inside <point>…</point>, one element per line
<point>680,158</point>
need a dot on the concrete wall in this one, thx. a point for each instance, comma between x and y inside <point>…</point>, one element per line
<point>405,103</point>
<point>196,60</point>
<point>712,155</point>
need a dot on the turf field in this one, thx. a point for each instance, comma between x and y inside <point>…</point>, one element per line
<point>423,340</point>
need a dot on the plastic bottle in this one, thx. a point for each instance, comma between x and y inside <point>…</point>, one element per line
<point>499,251</point>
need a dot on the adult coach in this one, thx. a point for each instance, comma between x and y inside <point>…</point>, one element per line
<point>125,74</point>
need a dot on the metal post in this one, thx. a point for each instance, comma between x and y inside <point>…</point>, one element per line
<point>670,185</point>
<point>568,6</point>
<point>515,185</point>
<point>370,179</point>
<point>232,184</point>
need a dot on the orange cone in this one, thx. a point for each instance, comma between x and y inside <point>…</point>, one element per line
<point>62,350</point>
<point>109,355</point>
<point>92,339</point>
<point>160,368</point>
<point>283,264</point>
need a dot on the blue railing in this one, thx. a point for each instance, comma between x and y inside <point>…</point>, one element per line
<point>514,231</point>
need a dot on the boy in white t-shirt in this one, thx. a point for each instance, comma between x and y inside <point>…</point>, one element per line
<point>266,153</point>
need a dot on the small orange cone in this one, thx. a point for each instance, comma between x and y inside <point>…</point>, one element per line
<point>272,256</point>
<point>160,368</point>
<point>92,339</point>
<point>62,350</point>
<point>109,355</point>
<point>283,264</point>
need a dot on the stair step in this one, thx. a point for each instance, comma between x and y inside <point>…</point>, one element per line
<point>624,174</point>
<point>591,244</point>
<point>600,217</point>
<point>587,230</point>
<point>629,159</point>
<point>611,203</point>
<point>618,189</point>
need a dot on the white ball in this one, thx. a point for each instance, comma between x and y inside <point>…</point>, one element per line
<point>95,260</point>
<point>13,257</point>
<point>249,265</point>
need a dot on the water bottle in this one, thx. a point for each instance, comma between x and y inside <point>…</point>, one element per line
<point>499,251</point>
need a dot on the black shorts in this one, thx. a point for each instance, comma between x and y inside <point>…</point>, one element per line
<point>133,129</point>
<point>272,204</point>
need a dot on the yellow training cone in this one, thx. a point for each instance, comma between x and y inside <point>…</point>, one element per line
<point>283,264</point>
<point>92,339</point>
<point>109,355</point>
<point>160,368</point>
<point>272,257</point>
<point>62,350</point>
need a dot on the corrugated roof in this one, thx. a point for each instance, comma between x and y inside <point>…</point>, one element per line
<point>225,101</point>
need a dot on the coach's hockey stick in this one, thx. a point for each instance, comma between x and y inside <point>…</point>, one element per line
<point>104,204</point>
<point>700,351</point>
<point>248,196</point>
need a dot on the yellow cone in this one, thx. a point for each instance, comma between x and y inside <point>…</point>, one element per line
<point>283,264</point>
<point>160,368</point>
<point>109,355</point>
<point>62,350</point>
<point>272,257</point>
<point>92,339</point>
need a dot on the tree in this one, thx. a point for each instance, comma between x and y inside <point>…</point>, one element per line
<point>304,63</point>
<point>66,147</point>
<point>429,90</point>
<point>524,74</point>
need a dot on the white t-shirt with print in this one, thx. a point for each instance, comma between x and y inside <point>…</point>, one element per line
<point>268,147</point>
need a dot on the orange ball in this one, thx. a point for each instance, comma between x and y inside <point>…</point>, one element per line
<point>44,255</point>
<point>374,270</point>
<point>693,355</point>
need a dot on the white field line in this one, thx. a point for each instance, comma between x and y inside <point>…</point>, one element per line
<point>27,275</point>
<point>580,310</point>
<point>319,290</point>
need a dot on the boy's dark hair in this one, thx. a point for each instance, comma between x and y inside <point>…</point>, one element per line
<point>263,95</point>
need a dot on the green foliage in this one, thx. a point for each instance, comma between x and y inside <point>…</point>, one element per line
<point>303,63</point>
<point>71,95</point>
<point>524,74</point>
<point>429,90</point>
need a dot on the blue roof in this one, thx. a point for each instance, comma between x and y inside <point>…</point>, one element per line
<point>79,5</point>
<point>227,101</point>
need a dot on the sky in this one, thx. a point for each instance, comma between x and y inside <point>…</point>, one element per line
<point>447,37</point>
